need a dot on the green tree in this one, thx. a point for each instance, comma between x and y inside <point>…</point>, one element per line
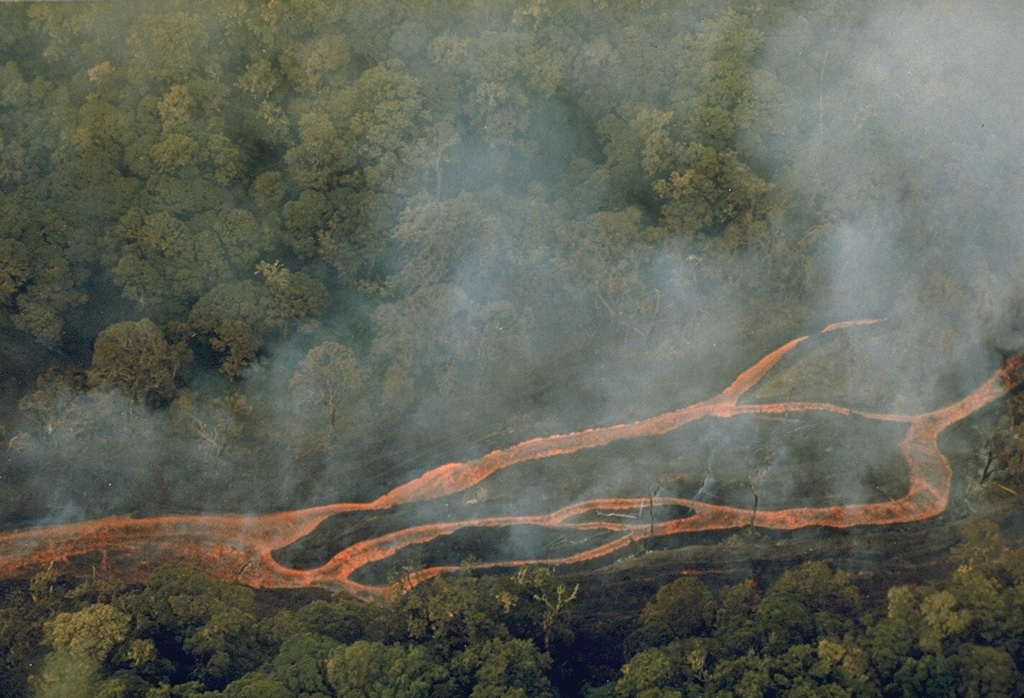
<point>535,605</point>
<point>452,613</point>
<point>784,620</point>
<point>327,379</point>
<point>176,107</point>
<point>137,358</point>
<point>21,646</point>
<point>831,596</point>
<point>734,620</point>
<point>89,189</point>
<point>226,646</point>
<point>322,158</point>
<point>504,668</point>
<point>608,255</point>
<point>238,238</point>
<point>942,619</point>
<point>171,47</point>
<point>91,632</point>
<point>43,268</point>
<point>267,190</point>
<point>305,221</point>
<point>208,627</point>
<point>931,675</point>
<point>374,670</point>
<point>342,619</point>
<point>981,597</point>
<point>225,162</point>
<point>649,673</point>
<point>291,296</point>
<point>16,269</point>
<point>1012,627</point>
<point>889,641</point>
<point>684,608</point>
<point>190,689</point>
<point>382,112</point>
<point>233,318</point>
<point>439,341</point>
<point>637,148</point>
<point>299,663</point>
<point>43,303</point>
<point>256,685</point>
<point>732,99</point>
<point>987,672</point>
<point>1004,451</point>
<point>33,109</point>
<point>67,675</point>
<point>981,548</point>
<point>797,671</point>
<point>435,237</point>
<point>371,124</point>
<point>844,658</point>
<point>159,264</point>
<point>165,263</point>
<point>322,66</point>
<point>712,193</point>
<point>173,153</point>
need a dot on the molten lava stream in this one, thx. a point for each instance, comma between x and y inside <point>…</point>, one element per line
<point>238,547</point>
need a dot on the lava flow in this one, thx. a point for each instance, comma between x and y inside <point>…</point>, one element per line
<point>242,548</point>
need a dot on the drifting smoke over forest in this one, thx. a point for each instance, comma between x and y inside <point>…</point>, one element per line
<point>258,256</point>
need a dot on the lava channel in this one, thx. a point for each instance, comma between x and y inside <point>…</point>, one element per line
<point>250,549</point>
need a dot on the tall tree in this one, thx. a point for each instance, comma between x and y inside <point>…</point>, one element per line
<point>328,381</point>
<point>137,358</point>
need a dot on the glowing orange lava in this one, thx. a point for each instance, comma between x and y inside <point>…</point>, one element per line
<point>235,547</point>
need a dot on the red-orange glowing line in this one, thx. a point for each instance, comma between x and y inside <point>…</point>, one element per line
<point>850,323</point>
<point>455,477</point>
<point>794,407</point>
<point>240,547</point>
<point>753,375</point>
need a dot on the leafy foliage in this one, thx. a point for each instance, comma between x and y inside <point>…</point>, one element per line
<point>243,233</point>
<point>470,199</point>
<point>181,635</point>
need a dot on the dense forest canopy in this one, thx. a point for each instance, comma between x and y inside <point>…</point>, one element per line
<point>262,255</point>
<point>813,631</point>
<point>257,255</point>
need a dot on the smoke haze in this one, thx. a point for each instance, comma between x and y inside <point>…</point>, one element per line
<point>495,221</point>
